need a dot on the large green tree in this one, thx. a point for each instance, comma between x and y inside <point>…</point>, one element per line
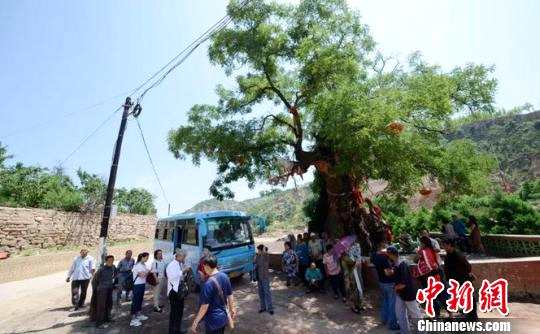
<point>137,200</point>
<point>311,90</point>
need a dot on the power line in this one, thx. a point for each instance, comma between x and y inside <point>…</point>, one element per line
<point>90,135</point>
<point>52,120</point>
<point>150,159</point>
<point>217,27</point>
<point>176,57</point>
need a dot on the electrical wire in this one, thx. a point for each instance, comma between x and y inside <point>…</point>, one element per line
<point>85,139</point>
<point>150,160</point>
<point>176,57</point>
<point>217,27</point>
<point>52,120</point>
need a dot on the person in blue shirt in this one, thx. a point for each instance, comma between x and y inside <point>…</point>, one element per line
<point>382,264</point>
<point>302,251</point>
<point>217,303</point>
<point>459,227</point>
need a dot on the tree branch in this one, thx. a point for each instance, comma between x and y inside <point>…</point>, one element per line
<point>278,120</point>
<point>276,90</point>
<point>425,128</point>
<point>257,96</point>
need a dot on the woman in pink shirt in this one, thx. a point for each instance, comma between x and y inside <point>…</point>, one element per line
<point>333,271</point>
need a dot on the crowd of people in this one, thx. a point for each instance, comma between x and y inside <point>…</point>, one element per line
<point>169,281</point>
<point>315,261</point>
<point>456,230</point>
<point>318,261</point>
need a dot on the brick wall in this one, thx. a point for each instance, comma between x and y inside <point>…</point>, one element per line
<point>22,228</point>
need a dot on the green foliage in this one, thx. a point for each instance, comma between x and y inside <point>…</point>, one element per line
<point>281,209</point>
<point>498,213</point>
<point>93,189</point>
<point>464,170</point>
<point>311,86</point>
<point>476,89</point>
<point>36,187</point>
<point>486,115</point>
<point>530,190</point>
<point>511,215</point>
<point>3,155</point>
<point>137,200</point>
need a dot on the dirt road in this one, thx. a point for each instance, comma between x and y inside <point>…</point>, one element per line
<point>47,262</point>
<point>42,305</point>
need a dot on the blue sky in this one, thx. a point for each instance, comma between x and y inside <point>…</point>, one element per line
<point>60,57</point>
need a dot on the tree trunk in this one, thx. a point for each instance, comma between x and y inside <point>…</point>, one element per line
<point>346,210</point>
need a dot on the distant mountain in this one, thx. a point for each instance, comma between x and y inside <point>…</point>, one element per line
<point>514,140</point>
<point>282,208</point>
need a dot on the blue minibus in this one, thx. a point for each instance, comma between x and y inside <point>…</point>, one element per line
<point>227,234</point>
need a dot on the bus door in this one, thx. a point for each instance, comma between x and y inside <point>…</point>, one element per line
<point>178,237</point>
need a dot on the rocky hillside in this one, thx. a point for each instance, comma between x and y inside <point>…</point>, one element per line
<point>514,140</point>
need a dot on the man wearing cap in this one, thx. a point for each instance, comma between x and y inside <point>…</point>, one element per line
<point>406,288</point>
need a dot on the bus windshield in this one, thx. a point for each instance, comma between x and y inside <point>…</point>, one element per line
<point>227,232</point>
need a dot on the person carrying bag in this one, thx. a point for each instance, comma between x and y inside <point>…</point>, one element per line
<point>216,299</point>
<point>176,274</point>
<point>230,321</point>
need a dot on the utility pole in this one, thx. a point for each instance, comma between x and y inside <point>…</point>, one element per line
<point>102,252</point>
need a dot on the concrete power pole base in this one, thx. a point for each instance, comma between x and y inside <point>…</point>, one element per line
<point>102,251</point>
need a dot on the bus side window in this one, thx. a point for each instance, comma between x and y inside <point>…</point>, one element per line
<point>190,236</point>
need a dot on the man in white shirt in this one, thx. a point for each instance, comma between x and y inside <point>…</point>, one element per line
<point>79,274</point>
<point>158,268</point>
<point>175,272</point>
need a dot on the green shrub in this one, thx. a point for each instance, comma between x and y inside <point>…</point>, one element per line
<point>498,213</point>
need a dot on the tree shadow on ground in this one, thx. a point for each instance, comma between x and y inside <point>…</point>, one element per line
<point>83,323</point>
<point>295,312</point>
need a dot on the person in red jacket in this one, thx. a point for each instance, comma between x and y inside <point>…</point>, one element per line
<point>200,268</point>
<point>428,266</point>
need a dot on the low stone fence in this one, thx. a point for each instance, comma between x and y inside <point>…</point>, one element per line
<point>508,245</point>
<point>23,228</point>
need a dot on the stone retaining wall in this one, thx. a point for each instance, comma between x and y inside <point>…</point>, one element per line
<point>507,245</point>
<point>521,273</point>
<point>23,228</point>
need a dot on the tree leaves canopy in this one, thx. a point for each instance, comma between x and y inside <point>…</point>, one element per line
<point>311,86</point>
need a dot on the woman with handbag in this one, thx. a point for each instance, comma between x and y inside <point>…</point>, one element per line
<point>216,299</point>
<point>158,270</point>
<point>177,289</point>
